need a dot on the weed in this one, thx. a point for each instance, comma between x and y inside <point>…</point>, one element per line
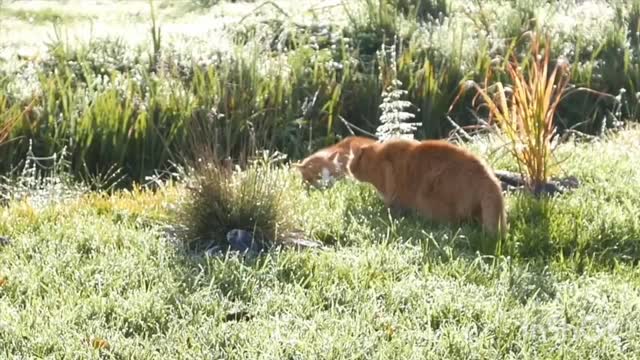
<point>394,111</point>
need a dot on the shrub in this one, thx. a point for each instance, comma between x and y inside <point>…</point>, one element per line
<point>295,86</point>
<point>223,199</point>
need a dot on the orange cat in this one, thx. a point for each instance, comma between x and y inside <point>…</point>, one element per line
<point>330,162</point>
<point>441,181</point>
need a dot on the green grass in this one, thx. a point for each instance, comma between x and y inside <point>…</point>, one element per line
<point>102,267</point>
<point>283,76</point>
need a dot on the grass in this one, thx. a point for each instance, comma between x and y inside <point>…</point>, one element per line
<point>41,16</point>
<point>102,274</point>
<point>99,276</point>
<point>525,113</point>
<point>285,77</point>
<point>255,199</point>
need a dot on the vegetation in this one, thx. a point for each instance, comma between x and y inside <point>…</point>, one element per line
<point>526,111</point>
<point>302,84</point>
<point>395,112</point>
<point>101,276</point>
<point>223,199</point>
<point>116,159</point>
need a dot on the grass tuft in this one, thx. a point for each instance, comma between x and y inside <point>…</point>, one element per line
<point>256,199</point>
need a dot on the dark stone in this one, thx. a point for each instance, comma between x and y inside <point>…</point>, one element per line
<point>549,188</point>
<point>238,240</point>
<point>242,241</point>
<point>511,181</point>
<point>5,241</point>
<point>297,241</point>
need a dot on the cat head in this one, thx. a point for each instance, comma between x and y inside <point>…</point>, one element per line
<point>317,167</point>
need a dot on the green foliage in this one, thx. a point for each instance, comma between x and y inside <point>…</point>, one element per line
<point>295,86</point>
<point>98,275</point>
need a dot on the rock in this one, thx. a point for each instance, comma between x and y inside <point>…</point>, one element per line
<point>242,241</point>
<point>297,241</point>
<point>238,240</point>
<point>547,189</point>
<point>508,178</point>
<point>511,181</point>
<point>5,241</point>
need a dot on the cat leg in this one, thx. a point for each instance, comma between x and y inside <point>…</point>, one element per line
<point>399,211</point>
<point>437,210</point>
<point>389,193</point>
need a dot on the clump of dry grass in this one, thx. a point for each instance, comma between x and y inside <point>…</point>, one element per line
<point>256,199</point>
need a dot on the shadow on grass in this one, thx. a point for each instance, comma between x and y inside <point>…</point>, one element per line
<point>539,229</point>
<point>404,225</point>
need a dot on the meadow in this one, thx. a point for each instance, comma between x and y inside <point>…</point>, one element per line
<point>103,224</point>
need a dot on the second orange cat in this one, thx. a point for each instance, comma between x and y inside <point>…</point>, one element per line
<point>330,163</point>
<point>441,181</point>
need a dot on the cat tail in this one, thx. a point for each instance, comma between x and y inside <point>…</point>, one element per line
<point>504,227</point>
<point>494,216</point>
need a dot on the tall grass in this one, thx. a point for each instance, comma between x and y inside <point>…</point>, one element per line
<point>111,105</point>
<point>9,116</point>
<point>140,119</point>
<point>525,112</point>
